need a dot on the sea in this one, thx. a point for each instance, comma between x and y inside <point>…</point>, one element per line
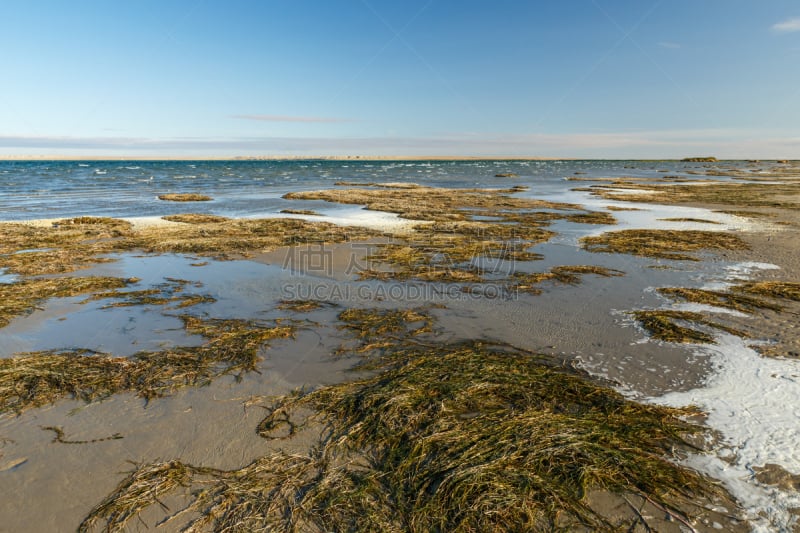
<point>58,189</point>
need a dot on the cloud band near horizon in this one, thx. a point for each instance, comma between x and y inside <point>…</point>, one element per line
<point>732,144</point>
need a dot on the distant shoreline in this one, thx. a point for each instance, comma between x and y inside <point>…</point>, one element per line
<point>281,158</point>
<point>320,158</point>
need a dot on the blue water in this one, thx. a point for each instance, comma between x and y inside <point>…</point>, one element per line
<point>55,189</point>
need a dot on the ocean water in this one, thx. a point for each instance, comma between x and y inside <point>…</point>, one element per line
<point>56,189</point>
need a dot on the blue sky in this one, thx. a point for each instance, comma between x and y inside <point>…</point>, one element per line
<point>576,78</point>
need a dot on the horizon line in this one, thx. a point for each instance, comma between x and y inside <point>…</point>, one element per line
<point>354,157</point>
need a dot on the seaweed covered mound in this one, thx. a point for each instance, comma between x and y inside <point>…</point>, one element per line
<point>439,437</point>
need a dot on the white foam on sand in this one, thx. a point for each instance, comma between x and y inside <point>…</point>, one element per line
<point>753,402</point>
<point>706,308</point>
<point>137,222</point>
<point>737,273</point>
<point>149,222</point>
<point>655,216</point>
<point>377,220</point>
<point>744,271</point>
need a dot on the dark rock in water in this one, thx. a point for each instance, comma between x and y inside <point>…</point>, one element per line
<point>700,160</point>
<point>506,175</point>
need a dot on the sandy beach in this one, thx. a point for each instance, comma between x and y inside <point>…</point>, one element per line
<point>224,323</point>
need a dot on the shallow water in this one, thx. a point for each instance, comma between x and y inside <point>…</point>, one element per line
<point>58,189</point>
<point>587,325</point>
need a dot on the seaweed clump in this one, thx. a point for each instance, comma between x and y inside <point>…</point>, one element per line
<point>782,195</point>
<point>785,290</point>
<point>195,218</point>
<point>729,300</point>
<point>172,291</point>
<point>376,330</point>
<point>592,217</point>
<point>184,197</point>
<point>304,305</point>
<point>566,274</point>
<point>21,298</point>
<point>240,237</point>
<point>748,298</point>
<point>65,246</point>
<point>664,325</point>
<point>440,437</point>
<point>461,252</point>
<point>690,219</point>
<point>416,202</point>
<point>74,244</point>
<point>308,212</point>
<point>662,244</point>
<point>39,378</point>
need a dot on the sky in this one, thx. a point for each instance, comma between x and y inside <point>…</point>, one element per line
<point>573,78</point>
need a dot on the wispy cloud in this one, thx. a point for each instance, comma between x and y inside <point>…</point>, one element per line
<point>788,25</point>
<point>288,118</point>
<point>669,45</point>
<point>724,143</point>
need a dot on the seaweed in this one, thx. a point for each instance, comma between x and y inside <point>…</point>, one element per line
<point>749,194</point>
<point>23,297</point>
<point>195,218</point>
<point>303,306</point>
<point>729,300</point>
<point>39,378</point>
<point>65,246</point>
<point>308,212</point>
<point>440,437</point>
<point>567,275</point>
<point>662,244</point>
<point>429,203</point>
<point>689,219</point>
<point>785,290</point>
<point>663,325</point>
<point>184,197</point>
<point>60,436</point>
<point>169,292</point>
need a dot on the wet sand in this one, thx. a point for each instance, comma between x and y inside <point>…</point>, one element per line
<point>779,245</point>
<point>214,426</point>
<point>583,325</point>
<point>54,485</point>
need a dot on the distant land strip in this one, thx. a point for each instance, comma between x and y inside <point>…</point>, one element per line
<point>278,158</point>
